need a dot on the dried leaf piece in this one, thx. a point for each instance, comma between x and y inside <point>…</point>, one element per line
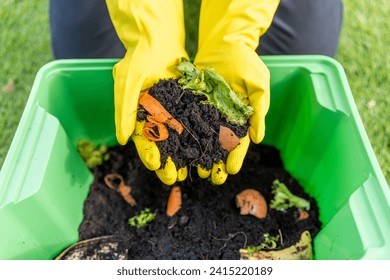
<point>116,182</point>
<point>227,138</point>
<point>174,201</point>
<point>9,87</point>
<point>154,107</point>
<point>250,201</point>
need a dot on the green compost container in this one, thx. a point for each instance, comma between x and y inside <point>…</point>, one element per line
<point>312,120</point>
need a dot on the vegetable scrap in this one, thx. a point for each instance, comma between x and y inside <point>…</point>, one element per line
<point>209,83</point>
<point>227,138</point>
<point>142,219</point>
<point>116,182</point>
<point>174,201</point>
<point>91,154</point>
<point>251,201</point>
<point>155,130</point>
<point>284,199</point>
<point>269,243</point>
<point>302,215</point>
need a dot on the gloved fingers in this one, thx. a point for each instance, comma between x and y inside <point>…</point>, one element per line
<point>203,172</point>
<point>147,150</point>
<point>182,174</point>
<point>236,157</point>
<point>127,88</point>
<point>259,98</point>
<point>218,173</point>
<point>168,174</point>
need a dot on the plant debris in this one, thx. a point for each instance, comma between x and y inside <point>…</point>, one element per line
<point>158,112</point>
<point>284,199</point>
<point>269,243</point>
<point>142,219</point>
<point>9,87</point>
<point>227,138</point>
<point>250,201</point>
<point>116,182</point>
<point>213,86</point>
<point>91,154</point>
<point>174,201</point>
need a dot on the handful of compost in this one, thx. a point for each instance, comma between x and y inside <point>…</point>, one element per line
<point>195,121</point>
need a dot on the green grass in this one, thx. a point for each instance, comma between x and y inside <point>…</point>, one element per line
<point>363,51</point>
<point>365,38</point>
<point>24,48</point>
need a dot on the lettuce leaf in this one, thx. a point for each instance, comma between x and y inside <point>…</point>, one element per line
<point>210,84</point>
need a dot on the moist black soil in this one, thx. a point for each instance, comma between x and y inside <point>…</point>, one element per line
<point>199,142</point>
<point>208,226</point>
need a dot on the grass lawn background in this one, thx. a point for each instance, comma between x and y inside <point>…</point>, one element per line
<point>363,52</point>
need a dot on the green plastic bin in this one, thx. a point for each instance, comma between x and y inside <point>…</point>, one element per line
<point>312,120</point>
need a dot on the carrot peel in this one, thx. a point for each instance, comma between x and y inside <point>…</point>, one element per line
<point>160,114</point>
<point>154,130</point>
<point>111,181</point>
<point>174,201</point>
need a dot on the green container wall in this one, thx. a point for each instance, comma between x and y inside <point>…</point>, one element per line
<point>312,120</point>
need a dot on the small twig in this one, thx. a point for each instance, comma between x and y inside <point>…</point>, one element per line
<point>231,236</point>
<point>281,237</point>
<point>214,131</point>
<point>202,155</point>
<point>196,139</point>
<point>180,96</point>
<point>153,244</point>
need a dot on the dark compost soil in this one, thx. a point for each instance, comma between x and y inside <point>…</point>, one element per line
<point>208,226</point>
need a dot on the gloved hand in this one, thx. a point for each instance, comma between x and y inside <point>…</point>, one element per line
<point>152,32</point>
<point>229,32</point>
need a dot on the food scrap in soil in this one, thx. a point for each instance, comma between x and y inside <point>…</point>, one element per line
<point>199,143</point>
<point>208,225</point>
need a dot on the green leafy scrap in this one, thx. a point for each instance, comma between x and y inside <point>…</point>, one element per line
<point>284,199</point>
<point>269,243</point>
<point>91,154</point>
<point>210,84</point>
<point>142,219</point>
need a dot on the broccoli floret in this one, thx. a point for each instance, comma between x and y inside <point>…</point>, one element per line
<point>142,219</point>
<point>91,154</point>
<point>284,199</point>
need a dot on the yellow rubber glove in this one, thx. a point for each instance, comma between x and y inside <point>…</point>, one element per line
<point>152,32</point>
<point>229,32</point>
